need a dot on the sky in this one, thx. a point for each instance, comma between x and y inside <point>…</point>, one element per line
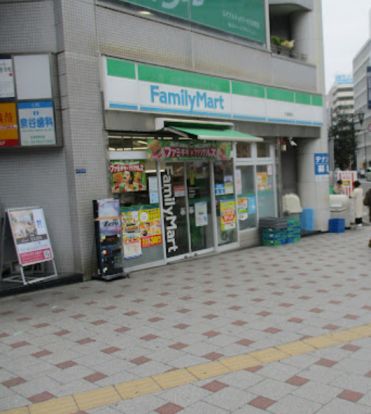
<point>345,31</point>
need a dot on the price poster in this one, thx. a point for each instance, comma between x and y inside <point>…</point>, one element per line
<point>242,208</point>
<point>131,237</point>
<point>227,215</point>
<point>150,227</point>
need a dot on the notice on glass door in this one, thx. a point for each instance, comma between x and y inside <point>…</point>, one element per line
<point>227,215</point>
<point>201,214</point>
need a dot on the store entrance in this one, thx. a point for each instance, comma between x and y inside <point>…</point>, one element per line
<point>187,207</point>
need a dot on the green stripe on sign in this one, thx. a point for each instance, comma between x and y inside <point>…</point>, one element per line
<point>181,78</point>
<point>317,100</point>
<point>248,89</point>
<point>280,95</point>
<point>302,98</point>
<point>120,68</point>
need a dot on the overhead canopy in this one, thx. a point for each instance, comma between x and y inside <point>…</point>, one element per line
<point>213,134</point>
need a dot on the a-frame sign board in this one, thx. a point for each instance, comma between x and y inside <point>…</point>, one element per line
<point>31,242</point>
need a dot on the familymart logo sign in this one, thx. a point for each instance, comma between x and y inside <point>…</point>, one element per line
<point>186,99</point>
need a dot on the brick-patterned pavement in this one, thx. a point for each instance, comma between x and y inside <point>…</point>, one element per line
<point>83,337</point>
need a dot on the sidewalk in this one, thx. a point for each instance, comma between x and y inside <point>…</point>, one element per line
<point>89,336</point>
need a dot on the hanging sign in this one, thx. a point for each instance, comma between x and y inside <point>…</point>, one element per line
<point>127,176</point>
<point>227,215</point>
<point>30,235</point>
<point>181,151</point>
<point>6,78</point>
<point>321,165</point>
<point>8,125</point>
<point>36,123</point>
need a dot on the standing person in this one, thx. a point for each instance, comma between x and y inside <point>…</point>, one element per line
<point>338,187</point>
<point>357,196</point>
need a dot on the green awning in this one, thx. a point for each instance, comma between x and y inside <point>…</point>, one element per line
<point>213,134</point>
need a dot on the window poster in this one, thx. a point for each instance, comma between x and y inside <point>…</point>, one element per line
<point>131,237</point>
<point>150,227</point>
<point>227,215</point>
<point>262,181</point>
<point>201,217</point>
<point>228,184</point>
<point>153,190</point>
<point>242,208</point>
<point>127,176</point>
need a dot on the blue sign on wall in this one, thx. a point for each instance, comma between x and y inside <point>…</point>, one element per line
<point>321,164</point>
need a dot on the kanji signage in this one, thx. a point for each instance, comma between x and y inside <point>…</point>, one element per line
<point>36,123</point>
<point>8,125</point>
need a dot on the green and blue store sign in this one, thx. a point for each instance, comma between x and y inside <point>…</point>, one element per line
<point>130,86</point>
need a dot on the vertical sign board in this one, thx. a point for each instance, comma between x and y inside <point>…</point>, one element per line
<point>30,235</point>
<point>36,123</point>
<point>6,78</point>
<point>8,125</point>
<point>321,166</point>
<point>368,87</point>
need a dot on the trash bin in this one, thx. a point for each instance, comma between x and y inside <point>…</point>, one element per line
<point>340,208</point>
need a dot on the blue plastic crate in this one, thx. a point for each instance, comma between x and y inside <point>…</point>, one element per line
<point>307,219</point>
<point>336,225</point>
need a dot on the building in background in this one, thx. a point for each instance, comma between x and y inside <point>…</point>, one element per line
<point>340,104</point>
<point>197,116</point>
<point>362,100</point>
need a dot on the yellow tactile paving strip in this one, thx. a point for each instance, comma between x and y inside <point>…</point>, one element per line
<point>132,389</point>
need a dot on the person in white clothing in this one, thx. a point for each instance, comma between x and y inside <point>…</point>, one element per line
<point>357,196</point>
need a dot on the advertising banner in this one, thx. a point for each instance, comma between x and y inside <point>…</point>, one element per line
<point>180,151</point>
<point>30,235</point>
<point>244,18</point>
<point>227,215</point>
<point>127,176</point>
<point>36,123</point>
<point>8,125</point>
<point>6,78</point>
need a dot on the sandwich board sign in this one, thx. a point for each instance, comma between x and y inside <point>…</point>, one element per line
<point>31,238</point>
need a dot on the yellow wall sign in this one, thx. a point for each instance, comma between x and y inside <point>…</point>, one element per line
<point>8,125</point>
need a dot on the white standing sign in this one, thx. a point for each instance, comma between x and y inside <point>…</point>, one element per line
<point>30,235</point>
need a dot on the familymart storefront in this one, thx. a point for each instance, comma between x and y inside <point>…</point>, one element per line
<point>187,184</point>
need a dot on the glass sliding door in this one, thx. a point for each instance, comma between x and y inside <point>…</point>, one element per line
<point>266,196</point>
<point>226,217</point>
<point>246,198</point>
<point>199,204</point>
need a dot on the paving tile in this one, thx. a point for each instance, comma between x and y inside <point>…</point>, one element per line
<point>262,402</point>
<point>214,386</point>
<point>350,395</point>
<point>293,404</point>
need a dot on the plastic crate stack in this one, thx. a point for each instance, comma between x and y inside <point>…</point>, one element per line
<point>293,230</point>
<point>273,231</point>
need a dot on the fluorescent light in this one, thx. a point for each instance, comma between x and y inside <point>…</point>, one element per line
<point>145,13</point>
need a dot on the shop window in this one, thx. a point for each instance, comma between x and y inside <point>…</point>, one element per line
<point>243,150</point>
<point>135,184</point>
<point>263,150</point>
<point>266,198</point>
<point>246,197</point>
<point>121,143</point>
<point>225,202</point>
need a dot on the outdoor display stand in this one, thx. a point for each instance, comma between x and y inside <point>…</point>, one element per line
<point>108,239</point>
<point>30,235</point>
